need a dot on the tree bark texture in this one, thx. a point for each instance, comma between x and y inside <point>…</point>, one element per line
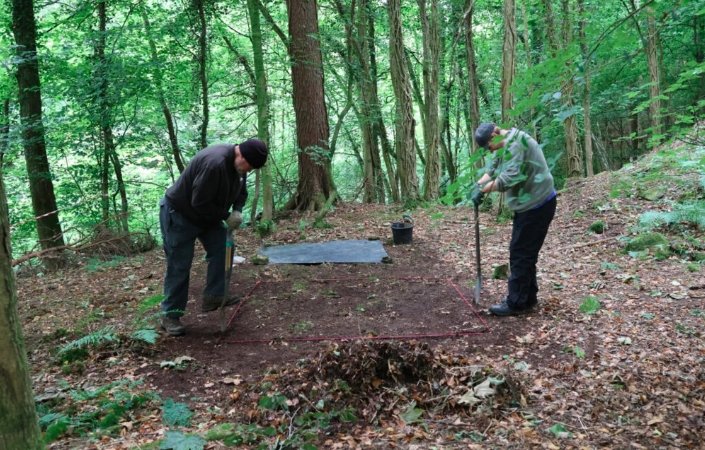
<point>529,62</point>
<point>4,131</point>
<point>102,74</point>
<point>404,114</point>
<point>508,58</point>
<point>312,132</point>
<point>30,99</point>
<point>263,117</point>
<point>473,82</point>
<point>18,428</point>
<point>373,177</point>
<point>550,27</point>
<point>699,45</point>
<point>652,58</point>
<point>570,127</point>
<point>431,56</point>
<point>380,129</point>
<point>201,66</point>
<point>587,121</point>
<point>158,80</point>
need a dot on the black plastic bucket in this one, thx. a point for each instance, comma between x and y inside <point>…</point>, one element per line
<point>402,232</point>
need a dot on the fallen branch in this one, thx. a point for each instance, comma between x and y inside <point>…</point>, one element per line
<point>75,248</point>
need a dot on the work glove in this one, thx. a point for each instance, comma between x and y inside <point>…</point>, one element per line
<point>234,220</point>
<point>477,196</point>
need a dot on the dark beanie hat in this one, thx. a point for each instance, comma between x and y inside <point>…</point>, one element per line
<point>483,134</point>
<point>255,152</point>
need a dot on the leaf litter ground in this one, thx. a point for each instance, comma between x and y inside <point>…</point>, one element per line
<point>630,375</point>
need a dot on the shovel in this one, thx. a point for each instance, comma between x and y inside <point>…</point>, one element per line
<point>229,253</point>
<point>478,282</point>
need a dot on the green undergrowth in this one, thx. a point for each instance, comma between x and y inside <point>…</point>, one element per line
<point>93,412</point>
<point>141,332</point>
<point>672,182</point>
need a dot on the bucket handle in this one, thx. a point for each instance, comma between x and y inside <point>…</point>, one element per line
<point>407,219</point>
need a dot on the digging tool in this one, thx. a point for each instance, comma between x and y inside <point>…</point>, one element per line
<point>229,253</point>
<point>478,282</point>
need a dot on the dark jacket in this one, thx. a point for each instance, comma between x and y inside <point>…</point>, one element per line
<point>209,187</point>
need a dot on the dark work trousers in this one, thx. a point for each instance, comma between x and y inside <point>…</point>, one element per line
<point>179,236</point>
<point>528,233</point>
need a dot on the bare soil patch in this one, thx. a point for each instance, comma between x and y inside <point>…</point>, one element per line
<point>630,375</point>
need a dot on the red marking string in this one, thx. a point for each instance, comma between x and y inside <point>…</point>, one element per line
<point>402,337</point>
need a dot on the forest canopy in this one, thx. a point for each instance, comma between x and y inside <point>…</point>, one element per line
<point>359,101</point>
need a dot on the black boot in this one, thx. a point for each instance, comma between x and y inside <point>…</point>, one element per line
<point>503,309</point>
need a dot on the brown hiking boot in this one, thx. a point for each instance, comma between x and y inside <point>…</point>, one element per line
<point>173,326</point>
<point>213,302</point>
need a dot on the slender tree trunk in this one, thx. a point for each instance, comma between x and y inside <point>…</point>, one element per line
<point>18,428</point>
<point>575,162</point>
<point>158,79</point>
<point>201,62</point>
<point>431,50</point>
<point>380,130</point>
<point>404,115</point>
<point>508,58</point>
<point>473,83</point>
<point>550,27</point>
<point>372,173</point>
<point>587,122</point>
<point>104,164</point>
<point>4,131</point>
<point>529,62</point>
<point>314,187</point>
<point>263,117</point>
<point>699,45</point>
<point>652,46</point>
<point>105,113</point>
<point>30,98</point>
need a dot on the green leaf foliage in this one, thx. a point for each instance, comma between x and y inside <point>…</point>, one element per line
<point>590,305</point>
<point>273,402</point>
<point>78,348</point>
<point>146,335</point>
<point>411,413</point>
<point>176,413</point>
<point>176,440</point>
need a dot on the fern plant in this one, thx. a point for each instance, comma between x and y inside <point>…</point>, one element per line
<point>690,213</point>
<point>78,349</point>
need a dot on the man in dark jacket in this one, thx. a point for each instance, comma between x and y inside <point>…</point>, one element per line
<point>519,169</point>
<point>194,207</point>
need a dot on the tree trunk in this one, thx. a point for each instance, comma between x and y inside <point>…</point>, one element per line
<point>372,169</point>
<point>550,27</point>
<point>158,79</point>
<point>431,55</point>
<point>654,73</point>
<point>312,132</point>
<point>699,45</point>
<point>575,163</point>
<point>380,130</point>
<point>404,114</point>
<point>18,428</point>
<point>30,99</point>
<point>508,58</point>
<point>201,63</point>
<point>587,122</point>
<point>263,117</point>
<point>4,131</point>
<point>529,62</point>
<point>473,83</point>
<point>105,114</point>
